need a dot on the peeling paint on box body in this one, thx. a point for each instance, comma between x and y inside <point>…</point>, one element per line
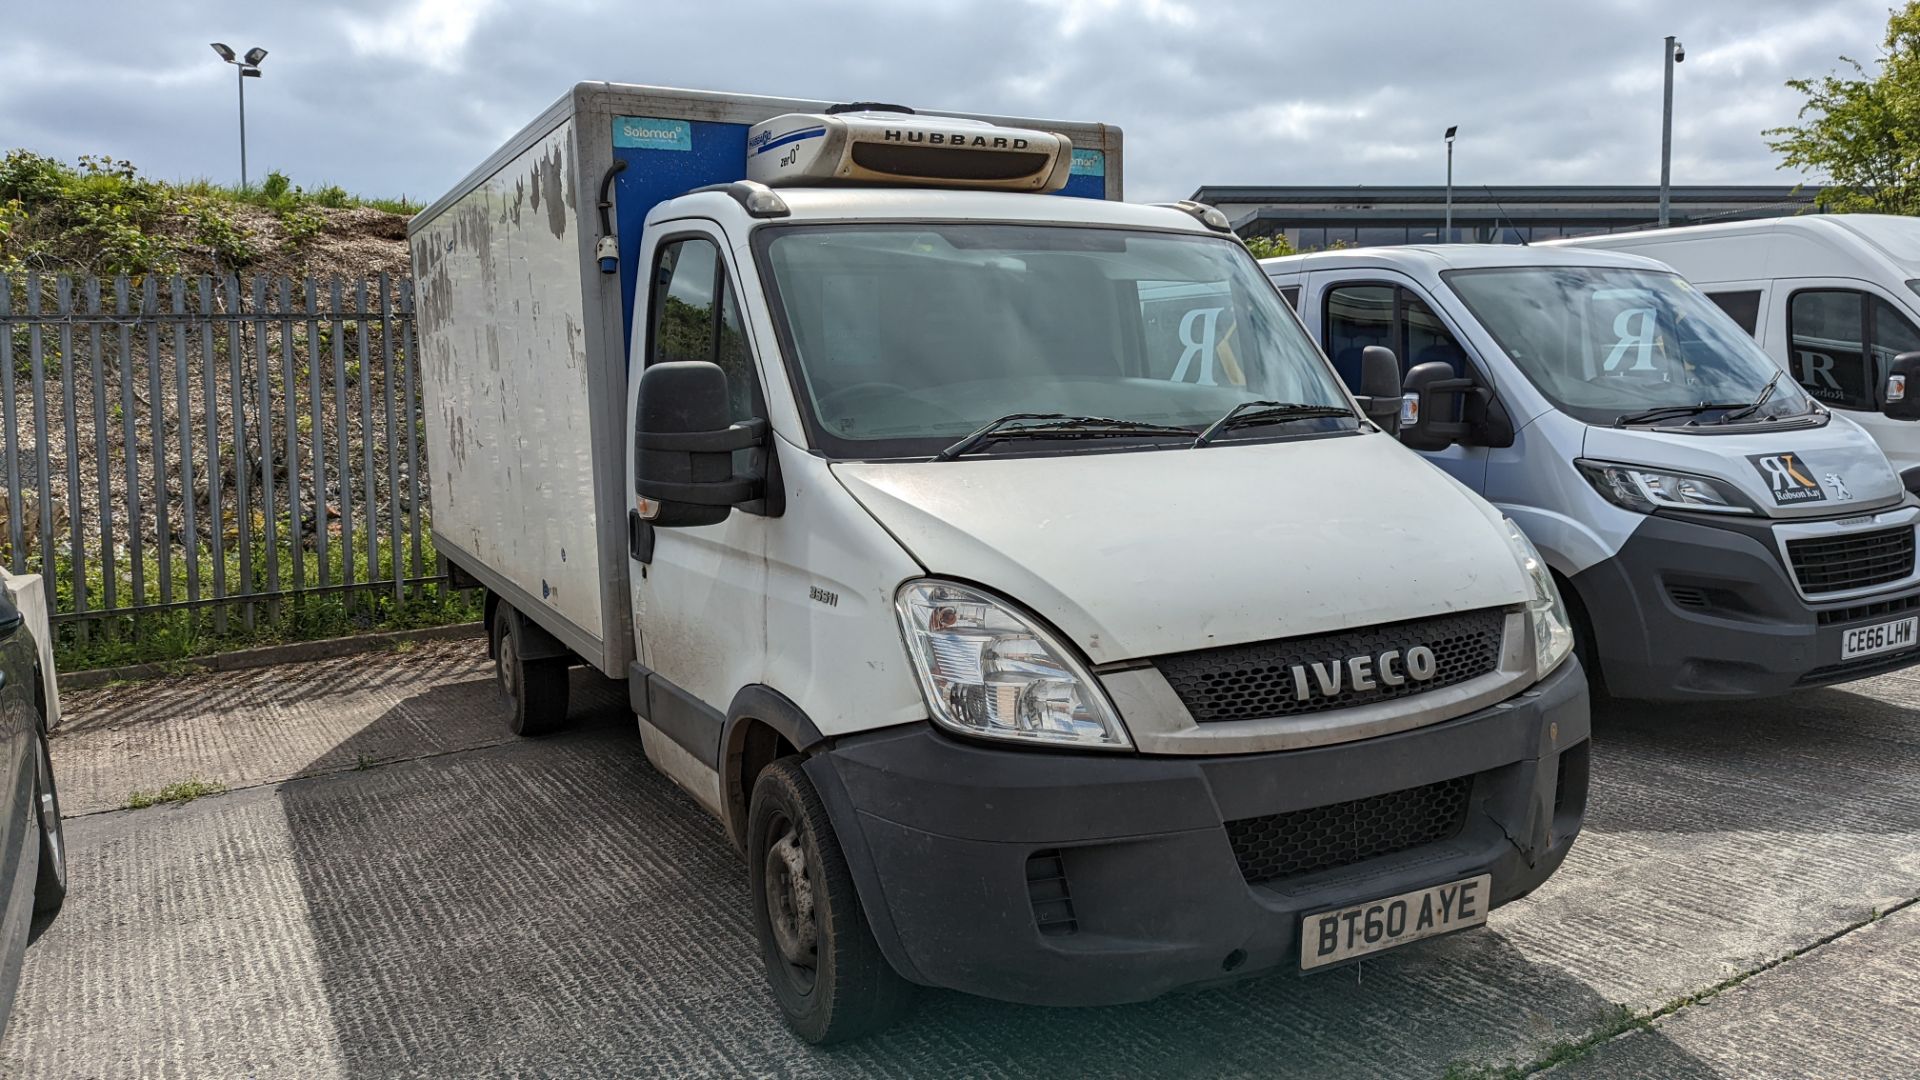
<point>517,483</point>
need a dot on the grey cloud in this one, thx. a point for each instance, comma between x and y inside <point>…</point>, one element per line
<point>1228,92</point>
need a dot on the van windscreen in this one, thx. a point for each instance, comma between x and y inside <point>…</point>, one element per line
<point>1603,343</point>
<point>901,338</point>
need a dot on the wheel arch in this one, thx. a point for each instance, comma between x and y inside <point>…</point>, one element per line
<point>1582,629</point>
<point>762,725</point>
<point>536,641</point>
<point>487,607</point>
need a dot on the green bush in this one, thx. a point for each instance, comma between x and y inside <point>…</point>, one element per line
<point>180,634</point>
<point>231,245</point>
<point>102,217</point>
<point>301,225</point>
<point>277,188</point>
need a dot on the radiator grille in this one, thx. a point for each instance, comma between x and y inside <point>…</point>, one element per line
<point>1854,561</point>
<point>1250,682</point>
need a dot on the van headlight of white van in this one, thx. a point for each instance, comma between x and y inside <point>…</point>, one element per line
<point>1546,612</point>
<point>988,669</point>
<point>1646,490</point>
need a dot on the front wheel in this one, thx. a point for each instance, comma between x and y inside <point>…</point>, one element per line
<point>50,888</point>
<point>823,965</point>
<point>536,690</point>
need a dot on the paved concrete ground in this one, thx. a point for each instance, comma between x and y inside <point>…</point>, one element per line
<point>430,899</point>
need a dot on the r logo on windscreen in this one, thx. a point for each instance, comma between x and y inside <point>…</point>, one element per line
<point>1787,477</point>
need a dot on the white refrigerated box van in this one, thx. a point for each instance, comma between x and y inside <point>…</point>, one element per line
<point>999,561</point>
<point>1718,532</point>
<point>1835,298</point>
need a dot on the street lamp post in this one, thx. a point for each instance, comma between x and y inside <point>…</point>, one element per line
<point>1447,236</point>
<point>1676,53</point>
<point>249,66</point>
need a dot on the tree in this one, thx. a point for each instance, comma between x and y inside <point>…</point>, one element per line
<point>1268,247</point>
<point>1862,133</point>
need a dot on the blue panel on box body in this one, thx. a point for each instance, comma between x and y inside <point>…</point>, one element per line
<point>668,157</point>
<point>714,154</point>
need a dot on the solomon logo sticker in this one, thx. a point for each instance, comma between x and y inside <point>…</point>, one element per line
<point>1788,478</point>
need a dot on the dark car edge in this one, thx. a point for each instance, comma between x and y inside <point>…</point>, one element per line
<point>33,866</point>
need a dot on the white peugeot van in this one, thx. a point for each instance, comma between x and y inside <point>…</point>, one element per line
<point>1006,569</point>
<point>1718,532</point>
<point>1835,298</point>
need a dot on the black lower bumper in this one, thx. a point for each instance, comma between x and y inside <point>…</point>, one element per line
<point>964,852</point>
<point>1699,611</point>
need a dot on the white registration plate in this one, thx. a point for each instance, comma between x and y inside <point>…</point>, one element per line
<point>1330,937</point>
<point>1879,638</point>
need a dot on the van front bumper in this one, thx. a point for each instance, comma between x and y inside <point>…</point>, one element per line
<point>1693,610</point>
<point>964,852</point>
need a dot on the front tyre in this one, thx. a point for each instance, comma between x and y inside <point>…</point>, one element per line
<point>50,888</point>
<point>823,965</point>
<point>536,690</point>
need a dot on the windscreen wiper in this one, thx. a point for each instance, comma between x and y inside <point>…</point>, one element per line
<point>1248,413</point>
<point>1055,426</point>
<point>1667,411</point>
<point>1748,410</point>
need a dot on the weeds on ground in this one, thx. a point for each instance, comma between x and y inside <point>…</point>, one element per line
<point>174,637</point>
<point>180,791</point>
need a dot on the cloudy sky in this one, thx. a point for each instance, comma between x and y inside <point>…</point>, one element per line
<point>402,97</point>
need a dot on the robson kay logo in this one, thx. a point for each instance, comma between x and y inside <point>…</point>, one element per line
<point>1789,480</point>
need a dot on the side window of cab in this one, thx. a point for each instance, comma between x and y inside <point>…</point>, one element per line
<point>696,317</point>
<point>1841,342</point>
<point>1370,313</point>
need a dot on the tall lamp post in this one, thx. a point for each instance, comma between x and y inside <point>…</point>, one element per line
<point>249,66</point>
<point>1447,237</point>
<point>1676,53</point>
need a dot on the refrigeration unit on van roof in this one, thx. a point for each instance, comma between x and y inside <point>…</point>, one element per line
<point>897,147</point>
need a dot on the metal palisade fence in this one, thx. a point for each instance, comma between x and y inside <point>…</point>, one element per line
<point>205,456</point>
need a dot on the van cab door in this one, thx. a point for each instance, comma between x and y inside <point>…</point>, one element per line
<point>1836,336</point>
<point>1352,309</point>
<point>698,594</point>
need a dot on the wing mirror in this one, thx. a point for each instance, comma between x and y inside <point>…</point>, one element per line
<point>1902,398</point>
<point>683,447</point>
<point>1380,387</point>
<point>1431,400</point>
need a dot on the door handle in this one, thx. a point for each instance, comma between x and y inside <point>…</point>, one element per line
<point>639,538</point>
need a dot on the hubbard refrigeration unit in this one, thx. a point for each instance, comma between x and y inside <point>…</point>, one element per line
<point>999,561</point>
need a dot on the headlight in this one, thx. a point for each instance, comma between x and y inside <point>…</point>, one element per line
<point>987,669</point>
<point>1546,612</point>
<point>1646,490</point>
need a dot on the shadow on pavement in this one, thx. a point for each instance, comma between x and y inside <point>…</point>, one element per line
<point>556,907</point>
<point>1816,761</point>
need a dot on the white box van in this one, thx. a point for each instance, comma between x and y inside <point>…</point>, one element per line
<point>1719,533</point>
<point>1006,570</point>
<point>1835,298</point>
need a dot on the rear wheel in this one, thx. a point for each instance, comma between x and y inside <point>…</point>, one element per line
<point>823,965</point>
<point>536,690</point>
<point>50,889</point>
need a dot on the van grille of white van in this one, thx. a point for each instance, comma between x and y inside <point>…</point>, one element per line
<point>1258,681</point>
<point>1852,560</point>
